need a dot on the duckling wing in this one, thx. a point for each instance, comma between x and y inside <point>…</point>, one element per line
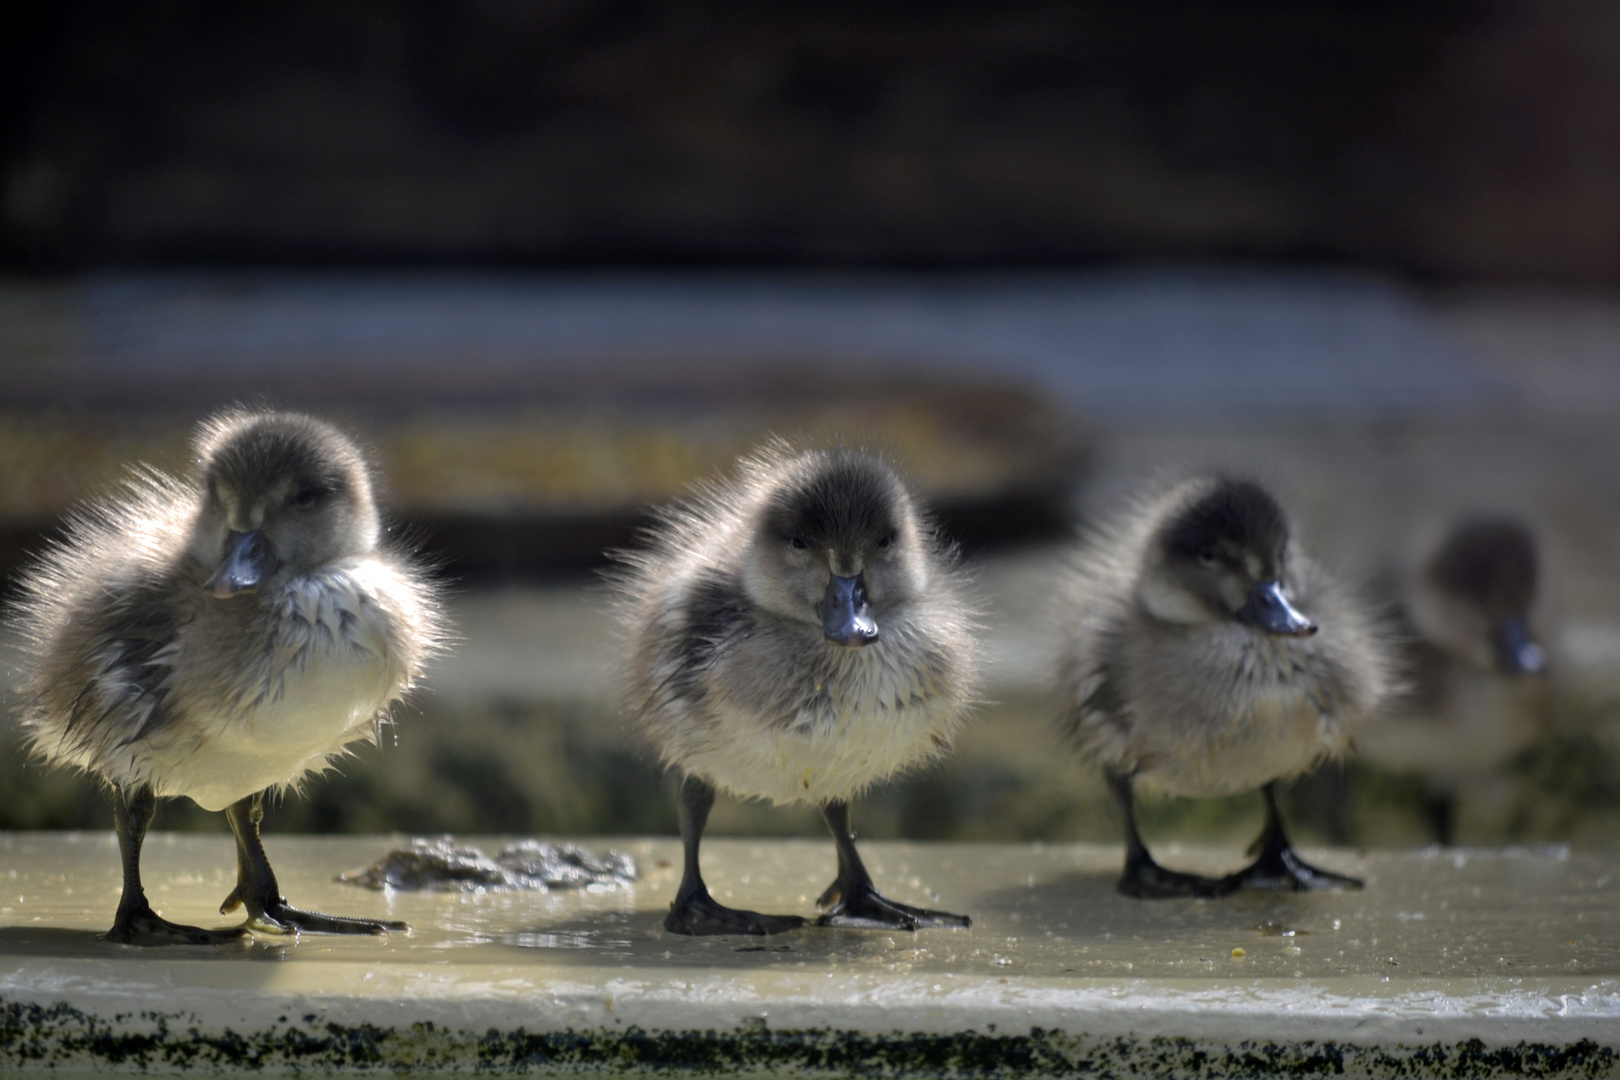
<point>96,616</point>
<point>716,615</point>
<point>1098,719</point>
<point>678,641</point>
<point>102,681</point>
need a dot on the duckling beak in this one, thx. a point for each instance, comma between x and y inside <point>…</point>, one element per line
<point>846,618</point>
<point>1516,651</point>
<point>1270,610</point>
<point>246,564</point>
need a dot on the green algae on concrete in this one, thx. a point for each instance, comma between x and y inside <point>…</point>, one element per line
<point>63,1038</point>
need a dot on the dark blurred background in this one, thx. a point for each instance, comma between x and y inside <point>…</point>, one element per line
<point>1444,140</point>
<point>555,261</point>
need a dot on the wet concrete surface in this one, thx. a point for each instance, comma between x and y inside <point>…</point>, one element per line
<point>1039,910</point>
<point>1504,946</point>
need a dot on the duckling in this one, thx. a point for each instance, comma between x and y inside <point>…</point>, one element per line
<point>797,634</point>
<point>1192,666</point>
<point>1475,700</point>
<point>218,636</point>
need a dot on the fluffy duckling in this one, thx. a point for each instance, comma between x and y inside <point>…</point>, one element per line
<point>218,636</point>
<point>1192,665</point>
<point>797,634</point>
<point>1474,700</point>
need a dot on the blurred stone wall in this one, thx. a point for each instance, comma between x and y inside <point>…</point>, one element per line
<point>1476,140</point>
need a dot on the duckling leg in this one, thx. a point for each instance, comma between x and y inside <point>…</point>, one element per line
<point>136,923</point>
<point>853,900</point>
<point>1278,865</point>
<point>256,887</point>
<point>694,911</point>
<point>1441,809</point>
<point>1144,878</point>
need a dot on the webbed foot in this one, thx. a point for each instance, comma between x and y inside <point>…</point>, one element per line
<point>701,915</point>
<point>1147,880</point>
<point>279,917</point>
<point>1279,865</point>
<point>866,908</point>
<point>143,926</point>
<point>1283,869</point>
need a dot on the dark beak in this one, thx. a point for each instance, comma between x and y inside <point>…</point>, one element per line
<point>246,564</point>
<point>1516,651</point>
<point>1270,610</point>
<point>845,617</point>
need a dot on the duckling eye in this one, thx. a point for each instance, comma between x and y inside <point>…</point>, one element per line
<point>1209,556</point>
<point>798,543</point>
<point>883,543</point>
<point>306,497</point>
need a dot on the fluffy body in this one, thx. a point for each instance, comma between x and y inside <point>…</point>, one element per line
<point>1462,717</point>
<point>1459,723</point>
<point>1194,706</point>
<point>137,675</point>
<point>759,702</point>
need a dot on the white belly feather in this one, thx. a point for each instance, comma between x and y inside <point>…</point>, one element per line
<point>1283,734</point>
<point>813,763</point>
<point>884,714</point>
<point>334,701</point>
<point>336,670</point>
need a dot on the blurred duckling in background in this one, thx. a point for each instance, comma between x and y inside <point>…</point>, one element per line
<point>1194,665</point>
<point>219,636</point>
<point>1474,700</point>
<point>797,634</point>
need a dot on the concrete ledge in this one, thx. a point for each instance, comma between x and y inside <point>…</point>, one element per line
<point>1467,964</point>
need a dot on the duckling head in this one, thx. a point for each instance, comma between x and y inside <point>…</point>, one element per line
<point>1222,556</point>
<point>281,494</point>
<point>1474,596</point>
<point>837,543</point>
